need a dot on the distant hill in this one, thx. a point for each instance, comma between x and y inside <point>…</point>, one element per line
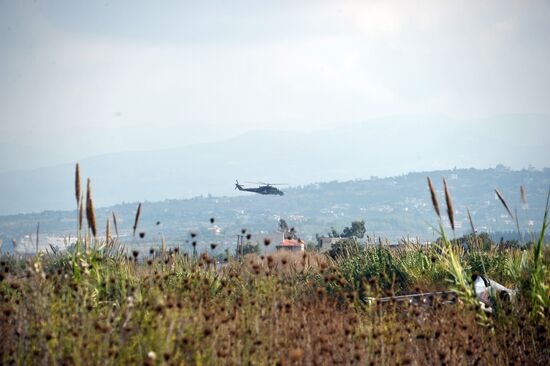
<point>394,207</point>
<point>382,147</point>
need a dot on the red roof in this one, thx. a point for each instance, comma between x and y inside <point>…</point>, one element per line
<point>291,243</point>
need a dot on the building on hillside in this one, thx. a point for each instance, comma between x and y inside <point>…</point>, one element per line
<point>292,245</point>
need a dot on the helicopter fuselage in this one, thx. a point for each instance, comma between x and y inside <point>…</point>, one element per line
<point>265,190</point>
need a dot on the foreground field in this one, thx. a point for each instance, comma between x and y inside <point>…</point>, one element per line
<point>99,305</point>
<point>104,308</point>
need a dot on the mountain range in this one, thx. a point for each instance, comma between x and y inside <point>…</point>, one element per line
<point>383,147</point>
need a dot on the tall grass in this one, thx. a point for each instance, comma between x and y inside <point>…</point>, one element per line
<point>540,275</point>
<point>283,309</point>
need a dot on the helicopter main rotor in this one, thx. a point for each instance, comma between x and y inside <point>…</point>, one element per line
<point>268,184</point>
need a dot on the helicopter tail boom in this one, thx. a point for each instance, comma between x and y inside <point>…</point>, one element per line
<point>238,186</point>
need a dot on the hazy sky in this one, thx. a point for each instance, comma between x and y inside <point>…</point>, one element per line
<point>79,78</point>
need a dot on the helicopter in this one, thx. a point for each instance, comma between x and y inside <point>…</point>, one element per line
<point>264,188</point>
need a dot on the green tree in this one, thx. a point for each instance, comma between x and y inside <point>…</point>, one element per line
<point>333,233</point>
<point>289,233</point>
<point>346,248</point>
<point>357,230</point>
<point>283,226</point>
<point>250,248</point>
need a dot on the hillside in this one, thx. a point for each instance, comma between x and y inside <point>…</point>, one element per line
<point>392,208</point>
<point>381,148</point>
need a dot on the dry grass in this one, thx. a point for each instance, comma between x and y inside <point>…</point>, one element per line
<point>103,307</point>
<point>280,309</point>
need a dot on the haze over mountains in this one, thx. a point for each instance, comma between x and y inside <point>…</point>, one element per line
<point>382,147</point>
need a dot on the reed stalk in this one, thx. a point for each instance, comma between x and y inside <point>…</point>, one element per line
<point>81,213</point>
<point>90,212</point>
<point>449,201</point>
<point>136,220</point>
<point>77,184</point>
<point>87,242</point>
<point>540,286</point>
<point>523,195</point>
<point>435,201</point>
<point>512,216</point>
<point>503,201</point>
<point>108,232</point>
<point>115,224</point>
<point>37,236</point>
<point>163,248</point>
<point>78,198</point>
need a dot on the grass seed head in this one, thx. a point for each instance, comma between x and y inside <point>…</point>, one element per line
<point>136,221</point>
<point>115,223</point>
<point>449,201</point>
<point>108,231</point>
<point>471,221</point>
<point>90,212</point>
<point>81,213</point>
<point>523,195</point>
<point>77,184</point>
<point>503,201</point>
<point>435,201</point>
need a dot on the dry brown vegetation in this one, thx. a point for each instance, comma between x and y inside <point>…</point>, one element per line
<point>101,306</point>
<point>283,309</point>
